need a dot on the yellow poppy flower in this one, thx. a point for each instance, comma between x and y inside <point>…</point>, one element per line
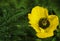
<point>42,23</point>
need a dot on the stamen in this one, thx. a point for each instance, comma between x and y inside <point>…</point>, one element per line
<point>44,23</point>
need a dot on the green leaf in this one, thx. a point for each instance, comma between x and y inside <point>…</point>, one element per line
<point>38,40</point>
<point>54,39</point>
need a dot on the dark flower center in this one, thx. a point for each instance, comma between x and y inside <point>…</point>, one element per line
<point>44,23</point>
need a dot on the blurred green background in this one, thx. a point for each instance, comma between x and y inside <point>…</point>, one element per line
<point>14,21</point>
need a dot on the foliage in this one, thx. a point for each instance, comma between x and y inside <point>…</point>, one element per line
<point>14,24</point>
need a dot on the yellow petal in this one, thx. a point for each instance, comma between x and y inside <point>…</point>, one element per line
<point>53,23</point>
<point>37,13</point>
<point>36,28</point>
<point>34,23</point>
<point>40,11</point>
<point>44,34</point>
<point>33,19</point>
